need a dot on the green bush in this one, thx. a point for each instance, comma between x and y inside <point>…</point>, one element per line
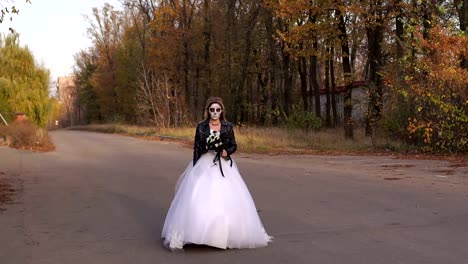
<point>304,120</point>
<point>394,124</point>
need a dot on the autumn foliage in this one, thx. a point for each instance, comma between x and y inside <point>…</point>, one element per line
<point>434,92</point>
<point>278,62</point>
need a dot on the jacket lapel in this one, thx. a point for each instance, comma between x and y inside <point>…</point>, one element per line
<point>205,128</point>
<point>223,127</point>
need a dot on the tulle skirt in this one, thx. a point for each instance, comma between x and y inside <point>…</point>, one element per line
<point>209,209</point>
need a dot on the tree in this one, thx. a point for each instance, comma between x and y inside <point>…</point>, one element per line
<point>23,85</point>
<point>438,93</point>
<point>427,95</point>
<point>84,69</point>
<point>115,96</point>
<point>269,60</point>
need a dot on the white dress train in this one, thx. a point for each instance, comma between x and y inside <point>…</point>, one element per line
<point>209,209</point>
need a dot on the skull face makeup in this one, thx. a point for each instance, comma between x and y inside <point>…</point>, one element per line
<point>215,111</point>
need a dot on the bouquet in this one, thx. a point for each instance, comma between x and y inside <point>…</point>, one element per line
<point>214,142</point>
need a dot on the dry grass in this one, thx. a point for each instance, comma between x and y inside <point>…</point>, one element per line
<point>268,140</point>
<point>332,140</point>
<point>176,133</point>
<point>24,135</point>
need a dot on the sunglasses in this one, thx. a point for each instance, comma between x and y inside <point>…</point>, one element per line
<point>212,110</point>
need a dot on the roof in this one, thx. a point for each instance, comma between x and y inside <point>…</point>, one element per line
<point>341,89</point>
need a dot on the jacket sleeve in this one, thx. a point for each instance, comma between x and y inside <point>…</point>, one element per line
<point>196,146</point>
<point>231,145</point>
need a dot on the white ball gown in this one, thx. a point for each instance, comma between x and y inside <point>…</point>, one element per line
<point>209,209</point>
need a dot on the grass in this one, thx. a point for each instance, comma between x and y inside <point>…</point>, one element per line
<point>268,140</point>
<point>273,140</point>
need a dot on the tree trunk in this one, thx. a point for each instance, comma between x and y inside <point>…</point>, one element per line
<point>327,91</point>
<point>196,91</point>
<point>348,106</point>
<point>399,31</point>
<point>462,9</point>
<point>399,48</point>
<point>287,83</point>
<point>229,32</point>
<point>374,53</point>
<point>206,51</point>
<point>302,64</point>
<point>314,82</point>
<point>271,79</point>
<point>313,70</point>
<point>333,87</point>
<point>186,60</point>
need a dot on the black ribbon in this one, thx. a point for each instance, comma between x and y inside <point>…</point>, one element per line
<point>218,158</point>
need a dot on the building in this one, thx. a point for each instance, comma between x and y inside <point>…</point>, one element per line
<point>359,98</point>
<point>67,96</point>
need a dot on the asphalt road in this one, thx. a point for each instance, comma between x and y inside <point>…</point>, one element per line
<point>103,199</point>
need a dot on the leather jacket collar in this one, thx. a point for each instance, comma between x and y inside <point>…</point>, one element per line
<point>206,126</point>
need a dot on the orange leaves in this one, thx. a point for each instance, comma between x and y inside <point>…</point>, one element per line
<point>293,9</point>
<point>437,68</point>
<point>435,88</point>
<point>303,23</point>
<point>443,47</point>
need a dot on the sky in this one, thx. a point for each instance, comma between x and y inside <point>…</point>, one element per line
<point>54,30</point>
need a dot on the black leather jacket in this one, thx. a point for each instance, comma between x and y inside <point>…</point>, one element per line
<point>203,131</point>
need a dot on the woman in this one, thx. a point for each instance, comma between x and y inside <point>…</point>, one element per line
<point>212,205</point>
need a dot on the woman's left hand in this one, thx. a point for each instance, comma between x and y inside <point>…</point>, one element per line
<point>224,153</point>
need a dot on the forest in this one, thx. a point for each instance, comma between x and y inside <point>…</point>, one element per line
<point>395,67</point>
